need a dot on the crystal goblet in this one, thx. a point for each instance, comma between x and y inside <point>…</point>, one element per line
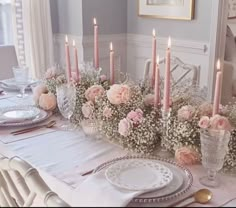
<point>66,101</point>
<point>21,75</point>
<point>214,148</point>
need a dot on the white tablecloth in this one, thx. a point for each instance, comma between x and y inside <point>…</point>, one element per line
<point>61,157</point>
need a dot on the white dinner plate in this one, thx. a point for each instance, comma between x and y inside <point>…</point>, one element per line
<point>21,112</point>
<point>40,117</point>
<point>139,175</point>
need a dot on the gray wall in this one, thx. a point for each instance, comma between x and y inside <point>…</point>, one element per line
<point>198,29</point>
<point>111,16</point>
<point>67,16</point>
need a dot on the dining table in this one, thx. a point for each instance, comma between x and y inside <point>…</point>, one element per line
<point>62,157</point>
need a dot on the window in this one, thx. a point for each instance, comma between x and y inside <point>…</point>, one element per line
<point>6,28</point>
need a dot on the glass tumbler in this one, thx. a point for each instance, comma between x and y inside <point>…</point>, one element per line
<point>214,148</point>
<point>21,75</point>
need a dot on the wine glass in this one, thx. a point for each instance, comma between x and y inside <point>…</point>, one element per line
<point>214,148</point>
<point>66,100</point>
<point>21,75</point>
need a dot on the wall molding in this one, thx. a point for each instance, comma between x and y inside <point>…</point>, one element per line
<point>188,46</point>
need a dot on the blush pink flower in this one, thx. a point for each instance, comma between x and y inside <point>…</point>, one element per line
<point>187,156</point>
<point>149,100</point>
<point>125,127</point>
<point>119,94</point>
<point>48,101</point>
<point>103,78</point>
<point>204,123</point>
<point>88,109</point>
<point>186,113</point>
<point>107,112</point>
<point>38,91</point>
<point>136,116</point>
<point>220,123</point>
<point>205,109</point>
<point>94,92</point>
<point>50,73</point>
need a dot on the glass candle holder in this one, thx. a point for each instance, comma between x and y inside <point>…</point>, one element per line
<point>214,148</point>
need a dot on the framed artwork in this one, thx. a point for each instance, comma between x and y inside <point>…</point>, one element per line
<point>167,9</point>
<point>232,9</point>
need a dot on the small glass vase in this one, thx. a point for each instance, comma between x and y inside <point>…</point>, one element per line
<point>214,148</point>
<point>89,127</point>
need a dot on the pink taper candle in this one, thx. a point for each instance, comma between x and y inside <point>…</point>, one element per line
<point>76,61</point>
<point>157,84</point>
<point>216,104</point>
<point>219,68</point>
<point>96,50</point>
<point>166,104</point>
<point>68,64</point>
<point>112,65</point>
<point>154,51</point>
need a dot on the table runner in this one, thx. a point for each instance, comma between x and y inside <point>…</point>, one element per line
<point>63,156</point>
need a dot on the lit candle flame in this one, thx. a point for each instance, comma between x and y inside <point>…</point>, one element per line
<point>158,59</point>
<point>154,32</point>
<point>66,39</point>
<point>74,43</point>
<point>169,42</point>
<point>111,46</point>
<point>218,64</point>
<point>94,21</point>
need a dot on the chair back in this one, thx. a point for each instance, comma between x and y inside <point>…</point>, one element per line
<point>8,59</point>
<point>20,184</point>
<point>179,71</point>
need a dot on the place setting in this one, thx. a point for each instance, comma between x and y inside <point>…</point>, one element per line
<point>135,180</point>
<point>21,122</point>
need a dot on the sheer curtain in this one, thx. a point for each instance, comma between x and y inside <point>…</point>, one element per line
<point>38,36</point>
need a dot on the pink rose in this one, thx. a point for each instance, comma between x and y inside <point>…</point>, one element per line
<point>50,73</point>
<point>125,127</point>
<point>187,156</point>
<point>220,123</point>
<point>48,101</point>
<point>136,116</point>
<point>186,113</point>
<point>149,100</point>
<point>38,91</point>
<point>103,78</point>
<point>88,109</point>
<point>119,94</point>
<point>93,92</point>
<point>206,109</point>
<point>107,112</point>
<point>204,123</point>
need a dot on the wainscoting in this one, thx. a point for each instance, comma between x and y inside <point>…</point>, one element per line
<point>133,50</point>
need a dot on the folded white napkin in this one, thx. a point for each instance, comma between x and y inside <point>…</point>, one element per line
<point>97,191</point>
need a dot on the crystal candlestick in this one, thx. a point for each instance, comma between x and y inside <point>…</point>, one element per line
<point>164,153</point>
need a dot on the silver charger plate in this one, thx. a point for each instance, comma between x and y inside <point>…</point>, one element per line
<point>42,116</point>
<point>180,185</point>
<point>10,84</point>
<point>139,175</point>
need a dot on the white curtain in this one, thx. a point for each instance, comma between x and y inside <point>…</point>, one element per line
<point>38,36</point>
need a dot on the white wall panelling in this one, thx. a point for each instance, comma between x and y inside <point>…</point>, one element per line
<point>133,50</point>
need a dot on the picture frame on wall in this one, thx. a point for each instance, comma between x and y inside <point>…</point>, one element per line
<point>232,9</point>
<point>167,9</point>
